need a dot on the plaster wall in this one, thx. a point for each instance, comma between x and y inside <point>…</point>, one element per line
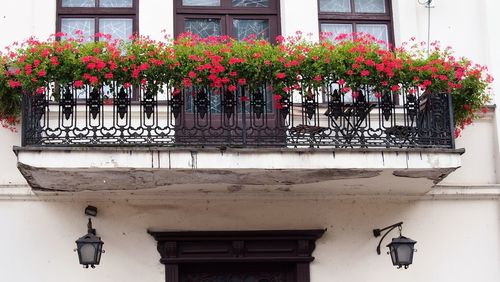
<point>457,240</point>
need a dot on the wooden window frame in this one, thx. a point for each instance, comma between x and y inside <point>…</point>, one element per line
<point>355,18</point>
<point>226,12</point>
<point>97,13</point>
<point>291,247</point>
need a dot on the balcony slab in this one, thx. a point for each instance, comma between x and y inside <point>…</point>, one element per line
<point>338,171</point>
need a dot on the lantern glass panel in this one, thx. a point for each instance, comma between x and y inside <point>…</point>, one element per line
<point>394,255</point>
<point>88,253</point>
<point>405,253</point>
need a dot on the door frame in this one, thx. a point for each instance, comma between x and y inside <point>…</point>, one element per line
<point>292,247</point>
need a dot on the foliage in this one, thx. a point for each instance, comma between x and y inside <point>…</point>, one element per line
<point>293,63</point>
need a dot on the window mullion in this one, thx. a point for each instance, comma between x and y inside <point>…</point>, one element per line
<point>96,27</point>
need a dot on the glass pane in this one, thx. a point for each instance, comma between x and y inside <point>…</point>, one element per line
<point>203,27</point>
<point>87,252</point>
<point>246,28</point>
<point>201,2</point>
<point>76,28</point>
<point>339,6</point>
<point>78,3</point>
<point>118,28</point>
<point>251,3</point>
<point>116,3</point>
<point>369,6</point>
<point>378,30</point>
<point>331,31</point>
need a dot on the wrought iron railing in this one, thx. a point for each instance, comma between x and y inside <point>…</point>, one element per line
<point>322,117</point>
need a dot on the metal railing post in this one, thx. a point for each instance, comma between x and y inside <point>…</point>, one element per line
<point>452,122</point>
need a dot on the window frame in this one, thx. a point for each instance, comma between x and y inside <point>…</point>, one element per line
<point>97,13</point>
<point>354,18</point>
<point>226,12</point>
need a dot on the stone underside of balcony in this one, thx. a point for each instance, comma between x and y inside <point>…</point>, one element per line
<point>338,171</point>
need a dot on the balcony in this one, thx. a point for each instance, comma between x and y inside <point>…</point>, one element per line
<point>218,140</point>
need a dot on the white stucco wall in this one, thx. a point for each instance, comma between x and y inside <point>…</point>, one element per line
<point>457,240</point>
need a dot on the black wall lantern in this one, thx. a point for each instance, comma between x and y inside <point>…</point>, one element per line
<point>89,246</point>
<point>401,248</point>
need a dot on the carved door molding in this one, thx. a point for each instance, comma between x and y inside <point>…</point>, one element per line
<point>274,256</point>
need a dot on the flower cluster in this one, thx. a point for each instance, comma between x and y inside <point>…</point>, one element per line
<point>291,64</point>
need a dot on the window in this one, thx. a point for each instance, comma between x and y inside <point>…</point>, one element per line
<point>239,256</point>
<point>115,17</point>
<point>237,18</point>
<point>347,16</point>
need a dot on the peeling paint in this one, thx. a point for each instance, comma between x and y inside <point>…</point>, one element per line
<point>136,179</point>
<point>436,175</point>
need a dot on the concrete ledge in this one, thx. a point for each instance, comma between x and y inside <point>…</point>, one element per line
<point>344,171</point>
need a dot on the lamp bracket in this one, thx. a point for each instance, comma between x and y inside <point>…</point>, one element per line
<point>89,227</point>
<point>378,232</point>
<point>91,211</point>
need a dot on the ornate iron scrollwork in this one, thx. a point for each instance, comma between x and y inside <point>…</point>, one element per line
<point>148,104</point>
<point>122,102</point>
<point>387,105</point>
<point>38,106</point>
<point>335,105</point>
<point>284,106</point>
<point>176,104</point>
<point>411,106</point>
<point>94,103</point>
<point>67,103</point>
<point>201,102</point>
<point>257,103</point>
<point>310,105</point>
<point>360,105</point>
<point>228,103</point>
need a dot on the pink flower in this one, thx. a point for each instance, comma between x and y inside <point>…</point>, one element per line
<point>188,82</point>
<point>192,74</point>
<point>232,88</point>
<point>280,75</point>
<point>78,84</point>
<point>345,89</point>
<point>341,82</point>
<point>242,81</point>
<point>94,80</point>
<point>101,65</point>
<point>127,85</point>
<point>14,84</point>
<point>40,90</point>
<point>365,73</point>
<point>42,73</point>
<point>395,88</point>
<point>108,75</point>
<point>317,78</point>
<point>54,61</point>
